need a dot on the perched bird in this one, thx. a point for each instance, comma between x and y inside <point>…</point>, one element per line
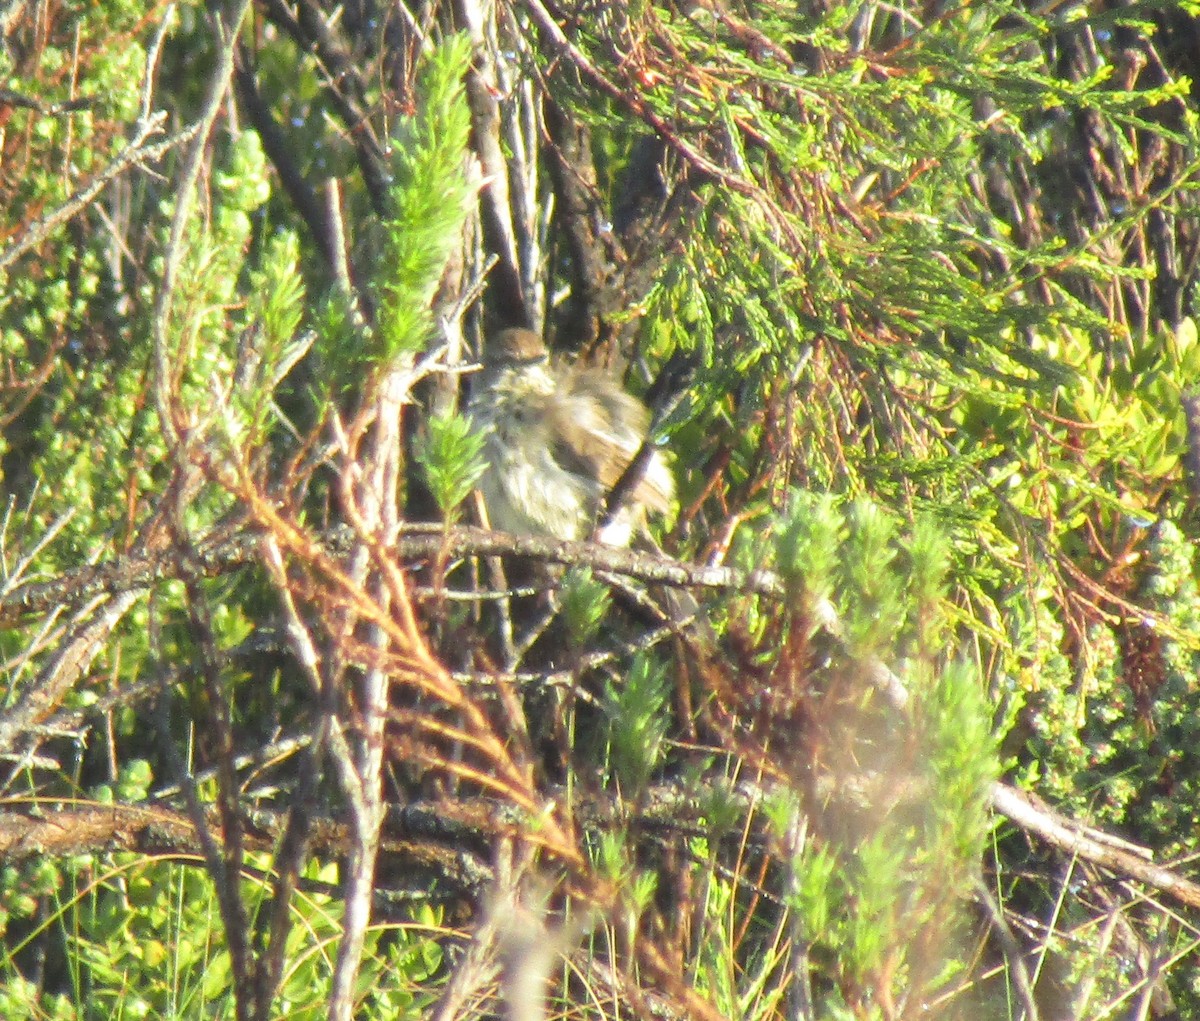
<point>558,439</point>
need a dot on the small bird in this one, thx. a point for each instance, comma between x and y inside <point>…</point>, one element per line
<point>558,439</point>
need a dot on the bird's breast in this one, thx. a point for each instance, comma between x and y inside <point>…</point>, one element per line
<point>525,490</point>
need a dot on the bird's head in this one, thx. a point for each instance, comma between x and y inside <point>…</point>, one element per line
<point>514,348</point>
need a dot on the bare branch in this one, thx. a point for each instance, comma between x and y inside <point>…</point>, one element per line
<point>43,694</point>
<point>136,153</point>
<point>1029,814</point>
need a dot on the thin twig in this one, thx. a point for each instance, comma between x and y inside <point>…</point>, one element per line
<point>165,359</point>
<point>134,154</point>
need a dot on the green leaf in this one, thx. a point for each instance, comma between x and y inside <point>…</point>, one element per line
<point>451,452</point>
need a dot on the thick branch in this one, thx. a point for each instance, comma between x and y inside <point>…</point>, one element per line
<point>1031,814</point>
<point>447,841</point>
<point>228,552</point>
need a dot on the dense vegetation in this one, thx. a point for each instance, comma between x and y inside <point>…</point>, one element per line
<point>912,295</point>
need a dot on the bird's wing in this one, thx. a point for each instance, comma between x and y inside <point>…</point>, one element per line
<point>598,429</point>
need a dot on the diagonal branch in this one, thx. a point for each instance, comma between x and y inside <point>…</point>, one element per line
<point>136,153</point>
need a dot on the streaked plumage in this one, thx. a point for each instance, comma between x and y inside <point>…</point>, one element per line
<point>558,439</point>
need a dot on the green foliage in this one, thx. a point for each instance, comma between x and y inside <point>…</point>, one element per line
<point>429,196</point>
<point>270,345</point>
<point>639,716</point>
<point>812,896</point>
<point>146,940</point>
<point>806,544</point>
<point>1119,743</point>
<point>584,602</point>
<point>101,406</point>
<point>133,783</point>
<point>637,886</point>
<point>879,890</point>
<point>873,589</point>
<point>940,276</point>
<point>990,393</point>
<point>451,452</point>
<point>750,988</point>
